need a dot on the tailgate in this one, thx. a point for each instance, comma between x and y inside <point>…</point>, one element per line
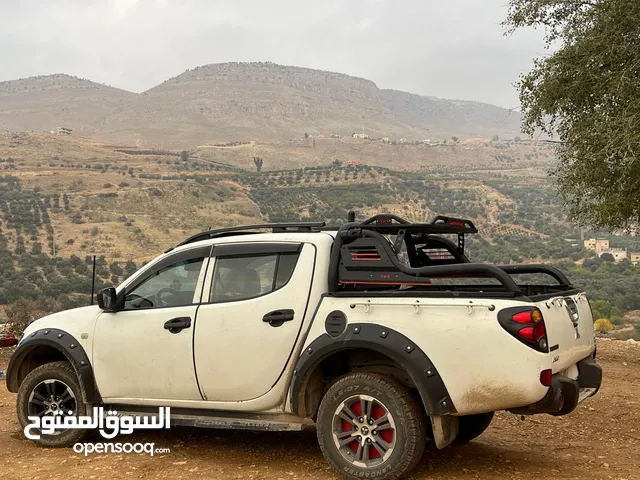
<point>569,324</point>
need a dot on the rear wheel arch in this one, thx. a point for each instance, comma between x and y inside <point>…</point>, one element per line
<point>366,348</point>
<point>48,346</point>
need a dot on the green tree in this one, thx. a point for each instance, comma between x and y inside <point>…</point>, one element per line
<point>20,248</point>
<point>258,163</point>
<point>607,257</point>
<point>116,269</point>
<point>587,93</point>
<point>130,268</point>
<point>184,156</point>
<point>36,248</point>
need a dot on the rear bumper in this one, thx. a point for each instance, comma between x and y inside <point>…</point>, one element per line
<point>565,394</point>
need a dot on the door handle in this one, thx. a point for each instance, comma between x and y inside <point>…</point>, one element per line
<point>278,317</point>
<point>176,325</point>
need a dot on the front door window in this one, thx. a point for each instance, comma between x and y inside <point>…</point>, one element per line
<point>169,286</point>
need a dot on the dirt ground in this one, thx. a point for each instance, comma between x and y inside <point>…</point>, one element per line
<point>600,440</point>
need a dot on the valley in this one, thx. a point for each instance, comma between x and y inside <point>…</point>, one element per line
<point>67,198</point>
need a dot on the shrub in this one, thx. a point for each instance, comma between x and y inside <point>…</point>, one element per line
<point>617,320</point>
<point>21,313</point>
<point>603,325</point>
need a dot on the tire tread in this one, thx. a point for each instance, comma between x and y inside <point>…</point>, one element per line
<point>413,418</point>
<point>52,370</point>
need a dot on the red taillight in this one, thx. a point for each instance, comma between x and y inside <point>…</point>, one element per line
<point>526,332</point>
<point>529,316</point>
<point>539,331</point>
<point>522,317</point>
<point>526,325</point>
<point>545,377</point>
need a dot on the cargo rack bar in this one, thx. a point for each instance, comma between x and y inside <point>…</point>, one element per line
<point>382,223</point>
<point>241,229</point>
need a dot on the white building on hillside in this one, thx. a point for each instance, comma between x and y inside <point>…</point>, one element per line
<point>618,254</point>
<point>597,245</point>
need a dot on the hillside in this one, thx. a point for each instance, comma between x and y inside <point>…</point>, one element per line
<point>64,199</point>
<point>486,158</point>
<point>46,102</point>
<point>242,102</point>
<point>143,200</point>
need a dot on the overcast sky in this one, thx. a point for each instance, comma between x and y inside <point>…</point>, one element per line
<point>446,48</point>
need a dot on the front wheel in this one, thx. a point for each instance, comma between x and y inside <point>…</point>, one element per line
<point>370,426</point>
<point>52,389</point>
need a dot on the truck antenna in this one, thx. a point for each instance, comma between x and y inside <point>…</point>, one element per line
<point>93,279</point>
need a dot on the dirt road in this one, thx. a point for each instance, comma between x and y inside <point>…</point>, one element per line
<point>601,440</point>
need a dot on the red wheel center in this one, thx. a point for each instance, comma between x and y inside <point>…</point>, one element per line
<point>377,412</point>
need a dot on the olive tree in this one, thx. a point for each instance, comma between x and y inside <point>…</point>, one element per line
<point>586,92</point>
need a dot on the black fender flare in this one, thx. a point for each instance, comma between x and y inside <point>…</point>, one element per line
<point>66,344</point>
<point>404,352</point>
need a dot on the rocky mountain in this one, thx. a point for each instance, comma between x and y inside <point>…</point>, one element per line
<point>242,102</point>
<point>45,102</point>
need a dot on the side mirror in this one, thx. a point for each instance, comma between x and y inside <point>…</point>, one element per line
<point>107,299</point>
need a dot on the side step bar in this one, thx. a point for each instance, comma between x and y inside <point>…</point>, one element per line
<point>278,422</point>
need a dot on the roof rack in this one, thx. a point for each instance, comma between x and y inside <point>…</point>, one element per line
<point>244,229</point>
<point>392,224</point>
<point>384,223</point>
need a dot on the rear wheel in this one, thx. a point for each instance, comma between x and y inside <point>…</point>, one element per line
<point>472,426</point>
<point>370,426</point>
<point>48,390</point>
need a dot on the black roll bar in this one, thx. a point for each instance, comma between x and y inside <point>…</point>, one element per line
<point>546,269</point>
<point>350,230</point>
<point>385,216</point>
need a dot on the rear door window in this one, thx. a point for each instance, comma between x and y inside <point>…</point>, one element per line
<point>244,277</point>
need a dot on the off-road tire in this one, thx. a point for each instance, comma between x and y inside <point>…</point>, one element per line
<point>61,371</point>
<point>408,415</point>
<point>472,426</point>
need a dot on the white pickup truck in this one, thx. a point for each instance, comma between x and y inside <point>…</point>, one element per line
<point>365,331</point>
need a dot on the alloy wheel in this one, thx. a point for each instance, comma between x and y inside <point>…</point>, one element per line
<point>364,431</point>
<point>52,397</point>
